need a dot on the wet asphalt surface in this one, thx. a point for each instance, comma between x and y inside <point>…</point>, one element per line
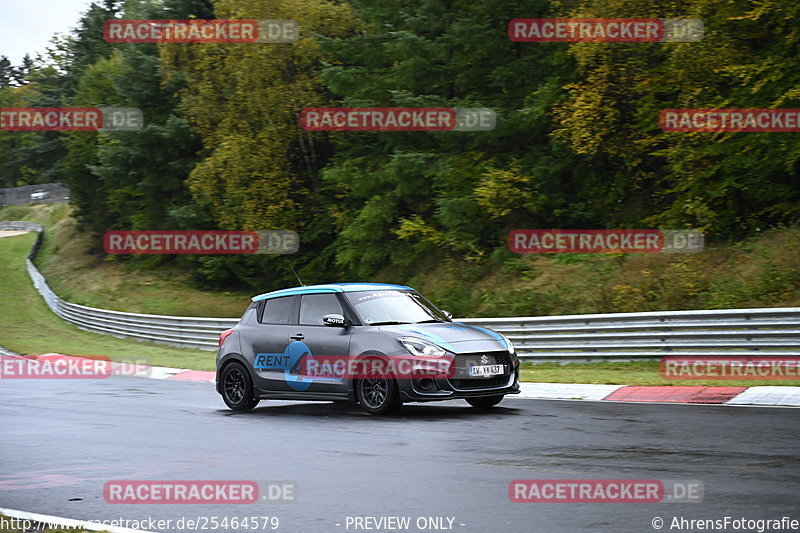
<point>62,440</point>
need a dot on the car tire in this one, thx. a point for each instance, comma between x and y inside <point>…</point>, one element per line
<point>378,395</point>
<point>485,402</point>
<point>237,388</point>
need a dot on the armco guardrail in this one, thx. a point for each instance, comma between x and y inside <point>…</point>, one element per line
<point>624,336</point>
<point>618,336</point>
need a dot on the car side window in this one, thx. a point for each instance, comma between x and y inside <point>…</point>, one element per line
<point>314,306</point>
<point>277,310</point>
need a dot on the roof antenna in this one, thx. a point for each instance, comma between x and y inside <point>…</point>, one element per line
<point>298,277</point>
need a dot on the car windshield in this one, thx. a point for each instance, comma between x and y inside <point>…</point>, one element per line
<point>393,307</point>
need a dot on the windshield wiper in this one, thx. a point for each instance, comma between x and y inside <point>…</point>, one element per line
<point>388,323</point>
<point>430,320</point>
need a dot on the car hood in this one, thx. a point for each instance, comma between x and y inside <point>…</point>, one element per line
<point>452,336</point>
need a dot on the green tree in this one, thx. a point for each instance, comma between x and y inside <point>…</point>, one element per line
<point>410,196</point>
<point>259,169</point>
<point>727,184</point>
<point>134,180</point>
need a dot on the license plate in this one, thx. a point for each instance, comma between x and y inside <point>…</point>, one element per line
<point>485,371</point>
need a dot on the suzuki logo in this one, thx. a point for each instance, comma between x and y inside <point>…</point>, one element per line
<point>484,359</point>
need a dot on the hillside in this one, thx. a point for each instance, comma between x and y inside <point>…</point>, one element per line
<point>760,272</point>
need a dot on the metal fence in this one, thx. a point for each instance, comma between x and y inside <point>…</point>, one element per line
<point>625,336</point>
<point>56,192</point>
<point>618,336</point>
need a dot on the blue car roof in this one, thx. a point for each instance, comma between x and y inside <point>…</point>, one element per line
<point>331,287</point>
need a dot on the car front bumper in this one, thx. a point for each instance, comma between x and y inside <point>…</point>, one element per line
<point>457,384</point>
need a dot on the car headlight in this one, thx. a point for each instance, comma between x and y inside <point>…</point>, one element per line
<point>508,342</point>
<point>417,346</point>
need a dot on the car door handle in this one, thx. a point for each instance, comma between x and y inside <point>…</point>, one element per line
<point>297,337</point>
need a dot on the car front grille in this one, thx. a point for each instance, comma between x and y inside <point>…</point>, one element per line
<point>460,376</point>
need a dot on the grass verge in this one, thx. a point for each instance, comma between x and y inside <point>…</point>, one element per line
<point>632,373</point>
<point>28,326</point>
<point>80,276</point>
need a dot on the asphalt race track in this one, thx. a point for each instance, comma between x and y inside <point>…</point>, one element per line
<point>63,439</point>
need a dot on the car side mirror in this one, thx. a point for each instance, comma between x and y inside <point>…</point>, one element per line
<point>448,314</point>
<point>335,320</point>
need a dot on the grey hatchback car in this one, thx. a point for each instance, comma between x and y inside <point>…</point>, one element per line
<point>372,344</point>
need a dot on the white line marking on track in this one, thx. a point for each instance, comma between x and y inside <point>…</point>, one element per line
<point>50,521</point>
<point>567,391</point>
<point>768,396</point>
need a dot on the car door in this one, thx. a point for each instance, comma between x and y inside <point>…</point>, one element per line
<point>326,344</point>
<point>267,338</point>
